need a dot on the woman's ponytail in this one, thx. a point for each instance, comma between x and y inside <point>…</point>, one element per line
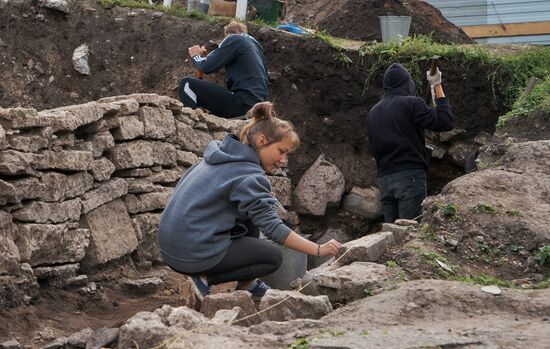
<point>264,120</point>
<point>261,110</point>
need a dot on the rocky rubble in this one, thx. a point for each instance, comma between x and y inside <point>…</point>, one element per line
<point>82,186</point>
<point>335,282</point>
<point>499,213</point>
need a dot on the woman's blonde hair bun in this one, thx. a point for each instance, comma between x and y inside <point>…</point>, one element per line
<point>264,120</point>
<point>261,110</point>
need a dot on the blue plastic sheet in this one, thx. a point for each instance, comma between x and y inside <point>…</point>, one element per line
<point>292,28</point>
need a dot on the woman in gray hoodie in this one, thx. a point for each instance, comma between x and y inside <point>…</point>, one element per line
<point>210,226</point>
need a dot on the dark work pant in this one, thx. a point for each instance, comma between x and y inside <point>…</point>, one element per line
<point>218,100</point>
<point>247,258</point>
<point>402,194</point>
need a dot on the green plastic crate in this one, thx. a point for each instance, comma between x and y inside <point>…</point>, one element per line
<point>267,10</point>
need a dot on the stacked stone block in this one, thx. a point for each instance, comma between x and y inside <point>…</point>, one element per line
<point>85,184</point>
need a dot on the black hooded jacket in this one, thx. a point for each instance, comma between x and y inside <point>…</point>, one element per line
<point>396,124</point>
<point>245,69</point>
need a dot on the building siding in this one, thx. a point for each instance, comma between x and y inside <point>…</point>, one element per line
<point>498,12</point>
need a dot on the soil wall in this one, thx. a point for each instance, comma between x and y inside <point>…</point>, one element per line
<point>136,50</point>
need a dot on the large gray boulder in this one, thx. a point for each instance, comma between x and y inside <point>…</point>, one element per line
<point>50,244</point>
<point>9,253</point>
<point>192,140</point>
<point>146,227</point>
<point>49,212</point>
<point>58,5</point>
<point>364,202</point>
<point>295,306</point>
<point>242,299</point>
<point>142,154</point>
<point>81,55</point>
<point>157,123</point>
<point>369,248</point>
<point>321,186</point>
<point>348,283</point>
<point>282,190</point>
<point>111,233</point>
<point>145,328</point>
<point>108,191</point>
<point>505,203</point>
<point>130,127</point>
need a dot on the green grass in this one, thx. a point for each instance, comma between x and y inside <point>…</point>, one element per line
<point>332,41</point>
<point>173,10</point>
<point>543,256</point>
<point>331,332</point>
<point>300,343</point>
<point>508,74</point>
<point>368,292</point>
<point>343,59</point>
<point>514,213</point>
<point>391,264</point>
<point>448,210</point>
<point>482,279</point>
<point>525,106</point>
<point>431,257</point>
<point>542,284</point>
<point>484,208</point>
<point>428,232</point>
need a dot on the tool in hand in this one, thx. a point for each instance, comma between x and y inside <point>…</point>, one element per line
<point>212,45</point>
<point>198,72</point>
<point>433,70</point>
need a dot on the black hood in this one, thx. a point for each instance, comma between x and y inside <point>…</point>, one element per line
<point>397,80</point>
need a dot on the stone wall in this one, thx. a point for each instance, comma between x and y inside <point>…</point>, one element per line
<point>85,184</point>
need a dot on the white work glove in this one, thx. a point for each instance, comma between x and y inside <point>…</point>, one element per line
<point>434,79</point>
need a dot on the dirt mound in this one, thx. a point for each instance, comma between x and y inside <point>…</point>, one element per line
<point>324,99</point>
<point>529,128</point>
<point>489,222</point>
<point>61,312</point>
<point>358,19</point>
<point>440,314</point>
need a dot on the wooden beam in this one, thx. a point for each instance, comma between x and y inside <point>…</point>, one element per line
<point>507,29</point>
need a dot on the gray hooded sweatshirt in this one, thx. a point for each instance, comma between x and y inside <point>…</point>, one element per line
<point>225,190</point>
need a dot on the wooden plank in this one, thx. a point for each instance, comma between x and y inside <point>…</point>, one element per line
<point>504,12</point>
<point>508,29</point>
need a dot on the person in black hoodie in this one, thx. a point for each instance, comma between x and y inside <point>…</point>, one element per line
<point>245,75</point>
<point>396,138</point>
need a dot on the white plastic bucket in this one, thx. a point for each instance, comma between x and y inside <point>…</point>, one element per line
<point>199,5</point>
<point>241,10</point>
<point>394,27</point>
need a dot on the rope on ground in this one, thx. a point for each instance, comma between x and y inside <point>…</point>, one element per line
<point>284,299</point>
<point>168,342</point>
<point>174,339</point>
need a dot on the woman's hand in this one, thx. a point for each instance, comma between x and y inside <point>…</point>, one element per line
<point>299,243</point>
<point>330,248</point>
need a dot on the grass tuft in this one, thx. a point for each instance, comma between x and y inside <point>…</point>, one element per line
<point>508,73</point>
